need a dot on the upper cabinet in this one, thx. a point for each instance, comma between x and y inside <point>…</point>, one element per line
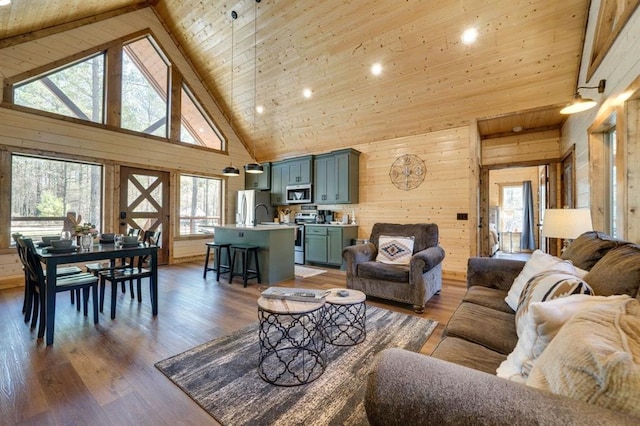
<point>279,182</point>
<point>295,171</point>
<point>336,177</point>
<point>300,170</point>
<point>259,181</point>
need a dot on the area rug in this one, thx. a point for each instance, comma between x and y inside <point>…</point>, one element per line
<point>221,376</point>
<point>304,272</point>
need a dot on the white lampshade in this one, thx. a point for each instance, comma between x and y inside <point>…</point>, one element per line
<point>566,223</point>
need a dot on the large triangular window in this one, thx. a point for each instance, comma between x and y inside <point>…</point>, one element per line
<point>77,90</point>
<point>145,83</point>
<point>195,127</point>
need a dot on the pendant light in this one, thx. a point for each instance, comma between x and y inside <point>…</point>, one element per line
<point>255,167</point>
<point>230,170</point>
<point>579,104</point>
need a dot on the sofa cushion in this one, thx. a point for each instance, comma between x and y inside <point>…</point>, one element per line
<point>545,286</point>
<point>539,262</point>
<point>395,250</point>
<point>595,358</point>
<point>383,271</point>
<point>586,250</point>
<point>618,272</point>
<point>542,323</point>
<point>469,354</point>
<point>488,327</point>
<point>489,297</point>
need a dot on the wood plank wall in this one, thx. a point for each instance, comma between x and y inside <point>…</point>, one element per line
<point>524,149</point>
<point>444,192</point>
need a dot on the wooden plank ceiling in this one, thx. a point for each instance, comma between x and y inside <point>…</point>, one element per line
<point>525,61</point>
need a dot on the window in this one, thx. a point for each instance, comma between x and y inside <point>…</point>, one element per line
<point>611,179</point>
<point>78,91</point>
<point>200,204</point>
<point>511,204</point>
<point>44,190</point>
<point>145,81</point>
<point>196,128</point>
<point>74,91</point>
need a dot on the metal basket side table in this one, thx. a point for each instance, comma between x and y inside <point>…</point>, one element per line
<point>291,341</point>
<point>345,317</point>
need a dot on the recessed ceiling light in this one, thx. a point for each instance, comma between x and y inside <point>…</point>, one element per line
<point>517,129</point>
<point>376,69</point>
<point>259,109</point>
<point>5,2</point>
<point>307,93</point>
<point>469,35</point>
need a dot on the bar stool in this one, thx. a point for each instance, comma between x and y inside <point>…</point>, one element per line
<point>217,259</point>
<point>245,252</point>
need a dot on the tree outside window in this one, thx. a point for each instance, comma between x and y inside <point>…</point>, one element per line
<point>44,190</point>
<point>512,209</point>
<point>200,204</point>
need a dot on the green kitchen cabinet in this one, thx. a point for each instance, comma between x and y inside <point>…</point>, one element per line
<point>300,170</point>
<point>336,177</point>
<point>259,181</point>
<point>316,249</point>
<point>335,245</point>
<point>279,182</point>
<point>324,243</point>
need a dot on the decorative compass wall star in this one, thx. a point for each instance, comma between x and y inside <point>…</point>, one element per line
<point>407,172</point>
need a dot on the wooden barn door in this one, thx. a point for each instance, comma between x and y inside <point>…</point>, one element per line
<point>144,204</point>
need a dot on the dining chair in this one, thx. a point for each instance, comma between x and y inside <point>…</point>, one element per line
<point>27,304</point>
<point>133,232</point>
<point>122,275</point>
<point>37,282</point>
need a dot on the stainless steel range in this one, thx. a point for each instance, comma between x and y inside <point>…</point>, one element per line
<point>300,219</point>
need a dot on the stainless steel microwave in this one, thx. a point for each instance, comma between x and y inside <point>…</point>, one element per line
<point>299,194</point>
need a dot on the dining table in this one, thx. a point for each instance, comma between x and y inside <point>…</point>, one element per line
<point>96,252</point>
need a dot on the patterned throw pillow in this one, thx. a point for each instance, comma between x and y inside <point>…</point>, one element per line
<point>539,262</point>
<point>545,286</point>
<point>395,250</point>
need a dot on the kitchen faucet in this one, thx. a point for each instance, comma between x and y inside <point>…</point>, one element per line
<point>255,212</point>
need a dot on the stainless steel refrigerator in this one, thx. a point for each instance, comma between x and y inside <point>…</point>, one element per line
<point>253,207</point>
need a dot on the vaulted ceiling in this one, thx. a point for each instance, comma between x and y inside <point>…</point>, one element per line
<point>524,62</point>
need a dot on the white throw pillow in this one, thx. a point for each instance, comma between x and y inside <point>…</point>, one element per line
<point>539,262</point>
<point>542,323</point>
<point>395,250</point>
<point>595,358</point>
<point>545,286</point>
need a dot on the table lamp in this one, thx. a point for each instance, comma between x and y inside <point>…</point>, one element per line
<point>567,224</point>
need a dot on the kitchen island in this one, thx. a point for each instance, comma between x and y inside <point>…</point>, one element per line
<point>275,244</point>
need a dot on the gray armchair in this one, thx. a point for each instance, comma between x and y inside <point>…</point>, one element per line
<point>415,283</point>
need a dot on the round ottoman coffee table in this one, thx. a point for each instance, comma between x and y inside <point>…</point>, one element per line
<point>291,341</point>
<point>345,315</point>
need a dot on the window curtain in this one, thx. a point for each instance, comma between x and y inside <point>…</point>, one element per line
<point>527,241</point>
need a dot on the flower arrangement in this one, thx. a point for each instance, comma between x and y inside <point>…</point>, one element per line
<point>86,229</point>
<point>79,227</point>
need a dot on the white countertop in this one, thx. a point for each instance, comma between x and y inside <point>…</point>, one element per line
<point>336,225</point>
<point>257,227</point>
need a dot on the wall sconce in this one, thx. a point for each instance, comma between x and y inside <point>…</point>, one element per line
<point>579,104</point>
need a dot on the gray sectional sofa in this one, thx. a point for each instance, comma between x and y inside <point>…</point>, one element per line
<point>457,384</point>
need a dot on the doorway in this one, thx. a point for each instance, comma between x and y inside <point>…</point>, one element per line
<point>144,204</point>
<point>502,196</point>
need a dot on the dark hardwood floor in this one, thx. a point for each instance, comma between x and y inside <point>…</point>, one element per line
<point>105,374</point>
